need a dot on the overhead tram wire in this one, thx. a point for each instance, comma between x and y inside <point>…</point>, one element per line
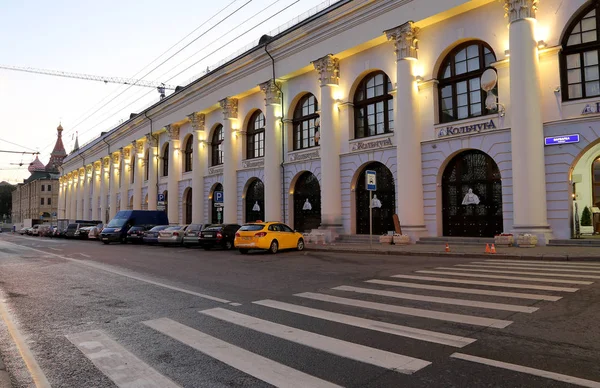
<point>17,145</point>
<point>206,56</point>
<point>70,131</point>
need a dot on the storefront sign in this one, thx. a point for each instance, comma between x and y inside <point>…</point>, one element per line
<point>565,139</point>
<point>253,163</point>
<point>473,128</point>
<point>304,156</point>
<point>369,145</point>
<point>591,108</point>
<point>215,170</point>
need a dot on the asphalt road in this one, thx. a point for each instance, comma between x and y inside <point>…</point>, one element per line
<point>82,314</point>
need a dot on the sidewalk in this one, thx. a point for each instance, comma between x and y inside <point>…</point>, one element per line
<point>467,251</point>
<point>4,377</point>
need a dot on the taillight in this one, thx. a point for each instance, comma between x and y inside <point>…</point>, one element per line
<point>260,234</point>
<point>175,233</point>
<point>219,235</point>
<point>237,235</point>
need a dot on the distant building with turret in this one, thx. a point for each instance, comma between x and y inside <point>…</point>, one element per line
<point>36,199</point>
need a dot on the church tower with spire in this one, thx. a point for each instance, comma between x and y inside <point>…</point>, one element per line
<point>58,153</point>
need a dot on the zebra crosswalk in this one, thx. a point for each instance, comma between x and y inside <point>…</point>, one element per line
<point>403,307</point>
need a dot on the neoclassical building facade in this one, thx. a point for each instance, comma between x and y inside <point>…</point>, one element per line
<point>478,117</point>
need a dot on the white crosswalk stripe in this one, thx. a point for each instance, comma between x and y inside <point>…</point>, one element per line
<point>505,277</point>
<point>522,272</point>
<point>432,314</point>
<point>527,267</point>
<point>435,299</point>
<point>384,327</point>
<point>461,290</point>
<point>540,262</point>
<point>381,358</point>
<point>484,283</point>
<point>253,364</point>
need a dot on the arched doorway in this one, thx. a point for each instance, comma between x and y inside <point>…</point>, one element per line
<point>187,206</point>
<point>255,201</point>
<point>472,196</point>
<point>384,201</point>
<point>307,202</point>
<point>216,211</point>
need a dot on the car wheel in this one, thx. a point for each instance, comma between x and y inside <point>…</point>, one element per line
<point>300,245</point>
<point>105,242</point>
<point>206,248</point>
<point>228,245</point>
<point>274,247</point>
<point>244,251</point>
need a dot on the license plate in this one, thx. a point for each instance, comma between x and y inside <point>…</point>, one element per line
<point>246,238</point>
<point>104,238</point>
<point>191,234</point>
<point>209,235</point>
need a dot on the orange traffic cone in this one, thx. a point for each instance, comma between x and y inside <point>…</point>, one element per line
<point>493,251</point>
<point>487,248</point>
<point>447,247</point>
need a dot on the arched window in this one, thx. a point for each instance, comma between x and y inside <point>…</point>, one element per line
<point>460,93</point>
<point>187,154</point>
<point>580,76</point>
<point>132,168</point>
<point>217,146</point>
<point>165,161</point>
<point>305,116</point>
<point>255,136</point>
<point>147,164</point>
<point>373,106</point>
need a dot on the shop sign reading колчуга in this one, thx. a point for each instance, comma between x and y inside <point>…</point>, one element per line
<point>473,128</point>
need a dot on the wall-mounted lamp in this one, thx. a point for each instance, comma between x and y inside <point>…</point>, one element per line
<point>541,45</point>
<point>507,53</point>
<point>419,78</point>
<point>237,132</point>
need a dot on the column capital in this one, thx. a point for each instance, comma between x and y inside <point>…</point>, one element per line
<point>88,170</point>
<point>405,40</point>
<point>81,172</point>
<point>329,70</point>
<point>151,140</point>
<point>173,131</point>
<point>230,108</point>
<point>106,162</point>
<point>520,9</point>
<point>127,153</point>
<point>271,91</point>
<point>116,157</point>
<point>198,121</point>
<point>97,165</point>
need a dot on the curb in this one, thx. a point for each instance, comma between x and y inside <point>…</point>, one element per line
<point>466,255</point>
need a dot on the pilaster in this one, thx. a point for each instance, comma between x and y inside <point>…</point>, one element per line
<point>229,107</point>
<point>273,157</point>
<point>199,155</point>
<point>174,172</point>
<point>151,145</point>
<point>138,179</point>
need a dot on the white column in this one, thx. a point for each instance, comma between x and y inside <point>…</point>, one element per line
<point>80,188</point>
<point>126,171</point>
<point>174,173</point>
<point>230,159</point>
<point>198,121</point>
<point>60,205</point>
<point>527,131</point>
<point>74,191</point>
<point>68,184</point>
<point>86,191</point>
<point>272,164</point>
<point>331,192</point>
<point>409,185</point>
<point>104,188</point>
<point>96,181</point>
<point>152,144</point>
<point>114,184</point>
<point>138,148</point>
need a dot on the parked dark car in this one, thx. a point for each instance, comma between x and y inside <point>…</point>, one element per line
<point>84,233</point>
<point>135,234</point>
<point>151,236</point>
<point>117,228</point>
<point>192,234</point>
<point>221,235</point>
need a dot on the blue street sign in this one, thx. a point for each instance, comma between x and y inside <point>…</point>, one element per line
<point>564,139</point>
<point>371,181</point>
<point>161,197</point>
<point>218,197</point>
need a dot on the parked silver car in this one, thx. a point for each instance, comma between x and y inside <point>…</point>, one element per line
<point>192,234</point>
<point>173,235</point>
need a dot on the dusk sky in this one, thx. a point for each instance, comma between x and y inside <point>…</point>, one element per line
<point>109,38</point>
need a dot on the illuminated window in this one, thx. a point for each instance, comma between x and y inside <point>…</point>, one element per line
<point>305,117</point>
<point>255,136</point>
<point>373,106</point>
<point>217,146</point>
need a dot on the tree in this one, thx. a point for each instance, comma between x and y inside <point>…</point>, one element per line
<point>586,217</point>
<point>6,199</point>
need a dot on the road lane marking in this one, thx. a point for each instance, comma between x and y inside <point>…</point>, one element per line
<point>117,363</point>
<point>435,299</point>
<point>37,375</point>
<point>432,314</point>
<point>357,352</point>
<point>521,272</point>
<point>565,263</point>
<point>528,370</point>
<point>125,274</point>
<point>83,254</point>
<point>55,249</point>
<point>483,283</point>
<point>384,327</point>
<point>542,268</point>
<point>466,290</point>
<point>250,363</point>
<point>473,275</point>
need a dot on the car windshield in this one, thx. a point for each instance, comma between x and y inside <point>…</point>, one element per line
<point>72,226</point>
<point>251,227</point>
<point>174,228</point>
<point>158,228</point>
<point>117,222</point>
<point>212,228</point>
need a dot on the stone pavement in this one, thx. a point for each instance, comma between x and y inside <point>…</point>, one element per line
<point>468,251</point>
<point>4,377</point>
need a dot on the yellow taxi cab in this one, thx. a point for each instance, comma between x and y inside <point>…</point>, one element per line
<point>271,236</point>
